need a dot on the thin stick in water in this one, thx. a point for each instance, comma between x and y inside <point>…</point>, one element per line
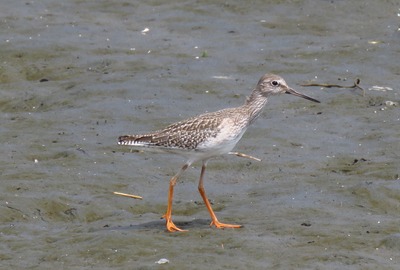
<point>327,85</point>
<point>128,195</point>
<point>243,155</point>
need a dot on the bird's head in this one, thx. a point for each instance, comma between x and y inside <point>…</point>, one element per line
<point>271,84</point>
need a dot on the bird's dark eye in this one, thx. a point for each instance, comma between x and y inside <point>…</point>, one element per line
<point>274,83</point>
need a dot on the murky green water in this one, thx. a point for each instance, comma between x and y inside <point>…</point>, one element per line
<point>75,75</point>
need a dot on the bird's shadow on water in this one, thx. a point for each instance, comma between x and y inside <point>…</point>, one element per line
<point>160,225</point>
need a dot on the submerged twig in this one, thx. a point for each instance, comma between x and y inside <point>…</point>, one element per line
<point>128,195</point>
<point>243,155</point>
<point>327,85</point>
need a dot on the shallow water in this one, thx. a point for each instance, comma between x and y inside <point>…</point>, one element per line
<point>76,75</point>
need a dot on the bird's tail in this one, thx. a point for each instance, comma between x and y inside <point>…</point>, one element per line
<point>138,140</point>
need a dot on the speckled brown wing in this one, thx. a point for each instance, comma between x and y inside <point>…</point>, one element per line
<point>186,134</point>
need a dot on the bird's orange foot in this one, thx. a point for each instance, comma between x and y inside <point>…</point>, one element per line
<point>171,227</point>
<point>220,225</point>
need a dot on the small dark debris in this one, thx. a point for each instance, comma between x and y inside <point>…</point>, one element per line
<point>358,160</point>
<point>70,212</point>
<point>81,150</point>
<point>44,80</point>
<point>375,101</point>
<point>197,27</point>
<point>306,224</point>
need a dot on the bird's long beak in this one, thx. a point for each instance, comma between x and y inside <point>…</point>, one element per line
<point>295,93</point>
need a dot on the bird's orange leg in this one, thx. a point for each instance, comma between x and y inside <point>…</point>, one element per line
<point>214,221</point>
<point>171,227</point>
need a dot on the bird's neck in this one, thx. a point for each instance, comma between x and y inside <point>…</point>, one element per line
<point>255,104</point>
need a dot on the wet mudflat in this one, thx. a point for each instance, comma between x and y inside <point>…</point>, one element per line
<point>76,75</point>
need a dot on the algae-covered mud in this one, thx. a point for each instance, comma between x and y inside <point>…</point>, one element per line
<point>75,75</point>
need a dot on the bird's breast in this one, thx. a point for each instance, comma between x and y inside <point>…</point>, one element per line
<point>225,139</point>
